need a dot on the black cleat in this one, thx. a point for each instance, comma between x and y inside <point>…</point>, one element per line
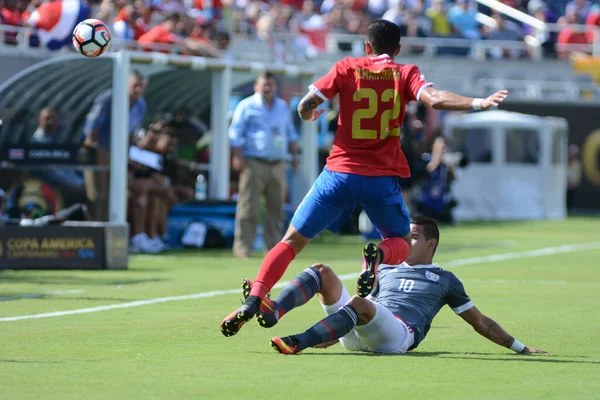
<point>234,322</point>
<point>371,259</point>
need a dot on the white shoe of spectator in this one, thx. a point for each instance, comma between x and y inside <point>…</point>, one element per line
<point>159,243</point>
<point>141,243</point>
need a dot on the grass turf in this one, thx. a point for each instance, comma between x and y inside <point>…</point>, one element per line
<point>175,350</point>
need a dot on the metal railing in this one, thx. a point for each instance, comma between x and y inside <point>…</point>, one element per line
<point>17,40</point>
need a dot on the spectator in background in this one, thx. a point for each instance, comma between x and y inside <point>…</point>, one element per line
<point>68,182</point>
<point>97,132</point>
<point>159,204</point>
<point>124,26</point>
<point>541,37</point>
<point>436,201</point>
<point>188,131</point>
<point>397,14</point>
<point>505,30</point>
<point>12,14</point>
<point>463,19</point>
<point>412,26</point>
<point>97,124</point>
<point>211,9</point>
<point>202,30</point>
<point>574,175</point>
<point>593,21</point>
<point>580,9</point>
<point>48,127</point>
<point>147,189</point>
<point>137,209</point>
<point>440,26</point>
<point>222,41</point>
<point>568,37</point>
<point>261,133</point>
<point>144,22</point>
<point>166,33</point>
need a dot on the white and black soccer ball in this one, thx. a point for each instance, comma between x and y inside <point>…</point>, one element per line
<point>91,37</point>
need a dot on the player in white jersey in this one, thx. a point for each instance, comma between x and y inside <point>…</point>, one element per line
<point>396,316</point>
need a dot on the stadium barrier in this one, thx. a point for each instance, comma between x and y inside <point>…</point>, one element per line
<point>71,245</point>
<point>335,43</point>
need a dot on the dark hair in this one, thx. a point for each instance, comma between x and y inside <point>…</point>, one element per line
<point>265,75</point>
<point>134,73</point>
<point>430,228</point>
<point>384,37</point>
<point>174,16</point>
<point>222,35</point>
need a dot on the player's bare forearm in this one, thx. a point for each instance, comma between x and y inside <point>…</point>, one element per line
<point>308,105</point>
<point>445,100</point>
<point>491,330</point>
<point>448,101</point>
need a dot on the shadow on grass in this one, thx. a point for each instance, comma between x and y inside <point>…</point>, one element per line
<point>468,356</point>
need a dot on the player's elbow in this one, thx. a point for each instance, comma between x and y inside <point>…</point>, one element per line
<point>434,99</point>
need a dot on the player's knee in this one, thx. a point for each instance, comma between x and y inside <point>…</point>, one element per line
<point>327,274</point>
<point>141,201</point>
<point>364,308</point>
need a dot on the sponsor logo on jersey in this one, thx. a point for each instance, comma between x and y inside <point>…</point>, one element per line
<point>431,276</point>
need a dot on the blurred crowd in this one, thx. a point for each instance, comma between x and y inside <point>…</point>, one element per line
<point>203,27</point>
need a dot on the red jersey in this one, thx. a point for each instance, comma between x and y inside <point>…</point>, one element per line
<point>158,34</point>
<point>373,94</point>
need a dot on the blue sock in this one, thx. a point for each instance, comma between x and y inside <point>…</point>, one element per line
<point>299,291</point>
<point>332,327</point>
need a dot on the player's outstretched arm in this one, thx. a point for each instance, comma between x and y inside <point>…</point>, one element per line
<point>307,108</point>
<point>491,330</point>
<point>448,101</point>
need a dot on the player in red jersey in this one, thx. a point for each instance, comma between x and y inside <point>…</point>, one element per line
<point>363,165</point>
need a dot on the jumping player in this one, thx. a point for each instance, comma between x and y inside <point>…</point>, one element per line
<point>364,162</point>
<point>398,314</point>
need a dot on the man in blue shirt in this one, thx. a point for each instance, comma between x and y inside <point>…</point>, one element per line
<point>97,122</point>
<point>463,18</point>
<point>396,316</point>
<point>97,133</point>
<point>261,133</point>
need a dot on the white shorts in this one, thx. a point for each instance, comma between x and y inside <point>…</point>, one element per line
<point>385,333</point>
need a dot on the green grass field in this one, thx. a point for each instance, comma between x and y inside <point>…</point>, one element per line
<point>174,349</point>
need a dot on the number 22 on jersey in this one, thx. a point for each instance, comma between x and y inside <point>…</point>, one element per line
<point>371,111</point>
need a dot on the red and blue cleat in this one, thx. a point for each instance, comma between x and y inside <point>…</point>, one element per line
<point>285,345</point>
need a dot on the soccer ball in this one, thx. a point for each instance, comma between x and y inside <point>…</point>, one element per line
<point>91,37</point>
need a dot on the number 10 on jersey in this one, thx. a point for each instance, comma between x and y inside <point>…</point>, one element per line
<point>406,285</point>
<point>371,111</point>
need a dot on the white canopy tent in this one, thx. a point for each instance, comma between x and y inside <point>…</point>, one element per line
<point>517,167</point>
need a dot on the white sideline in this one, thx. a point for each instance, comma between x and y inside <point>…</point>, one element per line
<point>465,261</point>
